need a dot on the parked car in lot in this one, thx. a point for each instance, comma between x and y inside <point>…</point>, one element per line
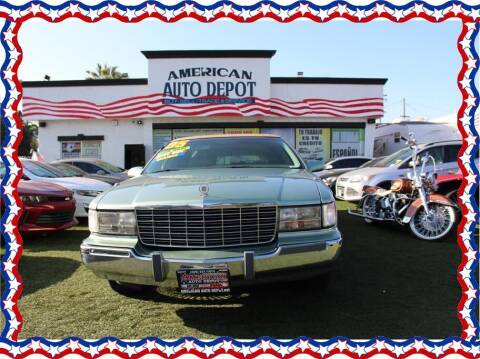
<point>96,167</point>
<point>336,166</point>
<point>84,189</point>
<point>47,207</point>
<point>208,212</point>
<point>67,170</point>
<point>350,185</point>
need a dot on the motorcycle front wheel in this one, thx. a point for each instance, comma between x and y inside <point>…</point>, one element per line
<point>369,208</point>
<point>433,226</point>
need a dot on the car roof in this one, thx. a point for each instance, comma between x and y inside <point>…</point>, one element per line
<point>83,159</point>
<point>254,135</point>
<point>439,143</point>
<point>349,157</point>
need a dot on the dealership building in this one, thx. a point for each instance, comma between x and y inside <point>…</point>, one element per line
<point>188,93</point>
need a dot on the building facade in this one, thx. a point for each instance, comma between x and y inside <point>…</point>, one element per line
<point>186,93</point>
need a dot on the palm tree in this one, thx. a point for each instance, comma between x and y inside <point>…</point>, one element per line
<point>106,72</point>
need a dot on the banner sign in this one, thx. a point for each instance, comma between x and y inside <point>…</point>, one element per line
<point>313,144</point>
<point>348,142</point>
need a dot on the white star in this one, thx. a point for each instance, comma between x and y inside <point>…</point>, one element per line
<point>150,345</point>
<point>130,350</point>
<point>245,350</point>
<point>283,14</point>
<point>8,189</point>
<point>73,8</point>
<point>208,14</point>
<point>323,350</point>
<point>470,332</point>
<point>456,9</point>
<point>189,345</point>
<point>265,9</point>
<point>303,8</point>
<point>8,304</point>
<point>130,14</point>
<point>456,346</point>
<point>265,345</point>
<point>8,151</point>
<point>14,169</point>
<point>93,350</point>
<point>342,345</point>
<point>465,273</point>
<point>418,345</point>
<point>470,101</point>
<point>379,344</point>
<point>9,35</point>
<point>14,93</point>
<point>9,227</point>
<point>14,323</point>
<point>475,13</point>
<point>438,350</point>
<point>475,350</point>
<point>151,8</point>
<point>227,345</point>
<point>471,140</point>
<point>15,14</point>
<point>283,350</point>
<point>323,14</point>
<point>53,14</point>
<point>465,82</point>
<point>470,216</point>
<point>227,9</point>
<point>418,8</point>
<point>8,74</point>
<point>465,43</point>
<point>14,350</point>
<point>465,158</point>
<point>342,9</point>
<point>93,14</point>
<point>111,346</point>
<point>304,345</point>
<point>169,350</point>
<point>14,53</point>
<point>470,293</point>
<point>380,8</point>
<point>245,14</point>
<point>14,131</point>
<point>471,178</point>
<point>471,254</point>
<point>35,345</point>
<point>398,350</point>
<point>398,14</point>
<point>35,8</point>
<point>437,14</point>
<point>53,350</point>
<point>360,14</point>
<point>471,63</point>
<point>8,266</point>
<point>112,9</point>
<point>14,246</point>
<point>360,350</point>
<point>169,14</point>
<point>465,313</point>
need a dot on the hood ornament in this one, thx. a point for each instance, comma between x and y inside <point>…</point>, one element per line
<point>203,189</point>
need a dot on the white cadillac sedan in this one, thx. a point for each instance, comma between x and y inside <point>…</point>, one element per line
<point>84,189</point>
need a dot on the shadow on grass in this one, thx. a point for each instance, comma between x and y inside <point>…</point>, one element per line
<point>42,272</point>
<point>68,240</point>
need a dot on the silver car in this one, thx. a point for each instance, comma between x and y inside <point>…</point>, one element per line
<point>350,185</point>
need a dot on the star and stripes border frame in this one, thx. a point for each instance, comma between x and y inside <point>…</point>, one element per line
<point>467,344</point>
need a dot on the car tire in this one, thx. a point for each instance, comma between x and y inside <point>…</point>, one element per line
<point>128,289</point>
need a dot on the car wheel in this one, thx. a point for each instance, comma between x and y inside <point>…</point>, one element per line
<point>128,289</point>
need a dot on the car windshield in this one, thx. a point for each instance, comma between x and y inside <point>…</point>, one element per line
<point>68,171</point>
<point>395,158</point>
<point>372,162</point>
<point>109,167</point>
<point>227,152</point>
<point>41,170</point>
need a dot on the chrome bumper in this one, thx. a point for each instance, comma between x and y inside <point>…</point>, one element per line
<point>284,262</point>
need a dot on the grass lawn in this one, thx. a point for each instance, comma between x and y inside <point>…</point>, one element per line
<point>387,283</point>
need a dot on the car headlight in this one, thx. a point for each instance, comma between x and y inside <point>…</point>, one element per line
<point>329,214</point>
<point>299,218</point>
<point>87,193</point>
<point>360,179</point>
<point>118,222</point>
<point>33,199</point>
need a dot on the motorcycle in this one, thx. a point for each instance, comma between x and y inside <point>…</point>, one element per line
<point>411,201</point>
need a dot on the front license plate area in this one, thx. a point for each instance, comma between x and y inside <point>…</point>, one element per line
<point>340,191</point>
<point>204,279</point>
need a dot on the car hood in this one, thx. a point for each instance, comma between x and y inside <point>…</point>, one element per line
<point>225,186</point>
<point>79,183</point>
<point>366,171</point>
<point>38,188</point>
<point>330,173</point>
<point>107,178</point>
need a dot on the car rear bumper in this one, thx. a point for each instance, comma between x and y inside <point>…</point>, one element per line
<point>285,261</point>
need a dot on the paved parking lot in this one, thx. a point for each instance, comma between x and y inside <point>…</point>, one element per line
<point>387,283</point>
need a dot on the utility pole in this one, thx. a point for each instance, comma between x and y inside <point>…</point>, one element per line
<point>404,114</point>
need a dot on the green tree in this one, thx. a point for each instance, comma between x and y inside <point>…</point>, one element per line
<point>106,72</point>
<point>29,141</point>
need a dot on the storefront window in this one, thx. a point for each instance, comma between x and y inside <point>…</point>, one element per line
<point>187,132</point>
<point>77,149</point>
<point>160,138</point>
<point>348,142</point>
<point>287,134</point>
<point>71,149</point>
<point>313,144</point>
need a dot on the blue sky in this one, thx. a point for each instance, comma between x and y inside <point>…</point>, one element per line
<point>420,59</point>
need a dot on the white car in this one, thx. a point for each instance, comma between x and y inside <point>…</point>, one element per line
<point>349,186</point>
<point>84,189</point>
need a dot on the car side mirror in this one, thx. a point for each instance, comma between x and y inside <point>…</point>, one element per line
<point>328,167</point>
<point>135,171</point>
<point>101,172</point>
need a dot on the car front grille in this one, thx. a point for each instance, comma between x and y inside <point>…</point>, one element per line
<point>208,227</point>
<point>55,217</point>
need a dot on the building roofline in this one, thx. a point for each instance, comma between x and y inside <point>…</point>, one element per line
<point>329,80</point>
<point>189,54</point>
<point>74,83</point>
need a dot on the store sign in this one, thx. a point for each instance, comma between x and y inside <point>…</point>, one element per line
<point>194,82</point>
<point>348,142</point>
<point>313,144</point>
<point>242,131</point>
